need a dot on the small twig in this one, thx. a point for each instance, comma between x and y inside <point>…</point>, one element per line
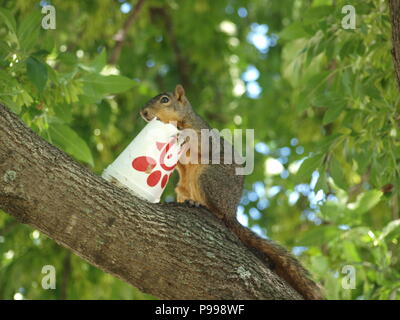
<point>120,36</point>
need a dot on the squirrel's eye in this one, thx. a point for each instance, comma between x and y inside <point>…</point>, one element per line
<point>164,100</point>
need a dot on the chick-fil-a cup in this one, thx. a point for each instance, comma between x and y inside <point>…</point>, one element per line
<point>148,161</point>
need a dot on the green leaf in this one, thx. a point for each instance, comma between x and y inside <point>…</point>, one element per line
<point>5,77</point>
<point>316,81</point>
<point>328,99</point>
<point>100,84</point>
<point>392,229</point>
<point>331,100</point>
<point>332,114</point>
<point>318,236</point>
<point>347,81</point>
<point>320,264</point>
<point>63,111</point>
<point>96,86</point>
<point>314,14</point>
<point>28,30</point>
<point>293,31</point>
<point>68,140</point>
<point>4,49</point>
<point>97,64</point>
<point>309,166</point>
<point>16,108</point>
<point>358,235</point>
<point>332,211</point>
<point>366,201</point>
<point>322,182</point>
<point>37,72</point>
<point>332,286</point>
<point>8,18</point>
<point>337,174</point>
<point>104,113</point>
<point>350,252</point>
<point>363,158</point>
<point>329,142</point>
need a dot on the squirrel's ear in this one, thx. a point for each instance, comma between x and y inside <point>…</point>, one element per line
<point>179,93</point>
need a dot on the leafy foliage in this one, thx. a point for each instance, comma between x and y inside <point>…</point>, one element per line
<point>322,99</point>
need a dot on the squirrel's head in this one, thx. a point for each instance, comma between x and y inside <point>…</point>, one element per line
<point>168,107</point>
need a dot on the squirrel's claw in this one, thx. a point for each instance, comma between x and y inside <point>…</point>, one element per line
<point>193,204</point>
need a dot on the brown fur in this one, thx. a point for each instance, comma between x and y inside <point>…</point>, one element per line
<point>217,187</point>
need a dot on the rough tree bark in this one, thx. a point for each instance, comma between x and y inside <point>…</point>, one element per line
<point>394,6</point>
<point>168,250</point>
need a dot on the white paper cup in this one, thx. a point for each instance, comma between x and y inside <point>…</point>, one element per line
<point>148,161</point>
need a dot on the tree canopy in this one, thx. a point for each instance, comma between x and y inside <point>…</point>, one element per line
<point>322,99</point>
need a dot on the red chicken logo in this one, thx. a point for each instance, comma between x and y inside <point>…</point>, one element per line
<point>166,161</point>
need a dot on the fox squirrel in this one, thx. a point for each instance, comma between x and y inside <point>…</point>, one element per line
<point>218,188</point>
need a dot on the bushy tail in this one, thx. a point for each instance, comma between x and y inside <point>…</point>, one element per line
<point>284,264</point>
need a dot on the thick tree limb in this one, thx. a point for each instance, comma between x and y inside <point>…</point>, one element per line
<point>394,6</point>
<point>168,250</point>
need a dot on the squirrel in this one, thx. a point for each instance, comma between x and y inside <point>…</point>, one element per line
<point>219,189</point>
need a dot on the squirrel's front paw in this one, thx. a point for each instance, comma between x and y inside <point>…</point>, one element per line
<point>193,204</point>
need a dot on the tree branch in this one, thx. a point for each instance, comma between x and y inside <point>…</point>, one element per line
<point>394,6</point>
<point>121,34</point>
<point>182,64</point>
<point>66,274</point>
<point>168,250</point>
